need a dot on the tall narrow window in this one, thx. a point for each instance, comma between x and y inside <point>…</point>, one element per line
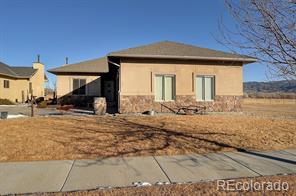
<point>79,87</point>
<point>205,88</point>
<point>6,84</point>
<point>159,88</point>
<point>165,87</point>
<point>209,88</point>
<point>199,88</point>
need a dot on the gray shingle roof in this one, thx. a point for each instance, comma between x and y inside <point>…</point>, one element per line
<point>99,65</point>
<point>165,50</point>
<point>23,71</point>
<point>174,50</point>
<point>5,70</point>
<point>16,72</point>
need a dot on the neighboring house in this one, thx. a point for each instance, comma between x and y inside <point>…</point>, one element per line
<point>156,76</point>
<point>19,83</point>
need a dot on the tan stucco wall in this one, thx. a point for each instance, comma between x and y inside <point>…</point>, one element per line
<point>65,84</point>
<point>137,76</point>
<point>38,81</point>
<point>16,86</point>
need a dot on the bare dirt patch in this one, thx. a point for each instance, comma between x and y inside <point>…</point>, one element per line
<point>55,138</point>
<point>203,188</point>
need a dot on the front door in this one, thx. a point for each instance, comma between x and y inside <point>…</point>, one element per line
<point>109,91</point>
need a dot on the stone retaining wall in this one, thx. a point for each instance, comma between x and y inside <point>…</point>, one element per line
<point>141,103</point>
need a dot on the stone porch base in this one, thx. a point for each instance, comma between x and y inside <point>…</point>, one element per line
<point>135,103</point>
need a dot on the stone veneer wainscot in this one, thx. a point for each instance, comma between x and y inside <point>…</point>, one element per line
<point>141,103</point>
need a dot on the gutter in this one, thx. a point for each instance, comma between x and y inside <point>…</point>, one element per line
<point>18,77</point>
<point>113,63</point>
<point>248,60</point>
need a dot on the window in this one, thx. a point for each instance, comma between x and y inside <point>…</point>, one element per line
<point>6,83</point>
<point>205,88</point>
<point>165,87</point>
<point>79,87</point>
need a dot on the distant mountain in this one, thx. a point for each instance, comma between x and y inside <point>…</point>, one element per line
<point>282,86</point>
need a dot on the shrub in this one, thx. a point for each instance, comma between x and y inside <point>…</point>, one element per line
<point>6,102</point>
<point>42,104</point>
<point>65,107</point>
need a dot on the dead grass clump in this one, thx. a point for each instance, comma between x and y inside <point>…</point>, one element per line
<point>91,137</point>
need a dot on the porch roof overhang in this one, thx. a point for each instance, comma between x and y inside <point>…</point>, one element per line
<point>95,66</point>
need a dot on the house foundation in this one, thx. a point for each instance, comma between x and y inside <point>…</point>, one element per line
<point>141,103</point>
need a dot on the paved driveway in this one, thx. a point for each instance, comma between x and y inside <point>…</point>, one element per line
<point>26,110</point>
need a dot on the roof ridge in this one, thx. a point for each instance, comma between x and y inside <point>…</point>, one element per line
<point>168,41</point>
<point>143,45</point>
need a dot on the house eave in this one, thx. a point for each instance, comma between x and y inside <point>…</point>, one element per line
<point>74,72</point>
<point>244,60</point>
<point>16,77</point>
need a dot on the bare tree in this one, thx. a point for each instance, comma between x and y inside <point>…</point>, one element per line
<point>265,29</point>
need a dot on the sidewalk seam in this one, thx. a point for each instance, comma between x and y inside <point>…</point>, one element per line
<point>289,153</point>
<point>67,175</point>
<point>243,165</point>
<point>162,169</point>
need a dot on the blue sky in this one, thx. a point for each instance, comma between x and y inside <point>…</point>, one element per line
<point>86,29</point>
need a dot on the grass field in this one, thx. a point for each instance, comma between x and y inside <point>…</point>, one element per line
<point>279,108</point>
<point>269,101</point>
<point>75,137</point>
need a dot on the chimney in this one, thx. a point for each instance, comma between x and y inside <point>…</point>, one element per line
<point>66,60</point>
<point>38,58</point>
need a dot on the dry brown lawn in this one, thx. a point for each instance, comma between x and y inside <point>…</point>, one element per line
<point>270,108</point>
<point>70,137</point>
<point>203,188</point>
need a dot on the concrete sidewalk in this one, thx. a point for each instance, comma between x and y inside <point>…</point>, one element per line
<point>70,175</point>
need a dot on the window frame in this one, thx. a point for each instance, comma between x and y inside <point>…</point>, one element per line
<point>73,90</point>
<point>213,88</point>
<point>6,84</point>
<point>173,76</point>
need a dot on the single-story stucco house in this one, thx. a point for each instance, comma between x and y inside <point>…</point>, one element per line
<point>18,84</point>
<point>156,77</point>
